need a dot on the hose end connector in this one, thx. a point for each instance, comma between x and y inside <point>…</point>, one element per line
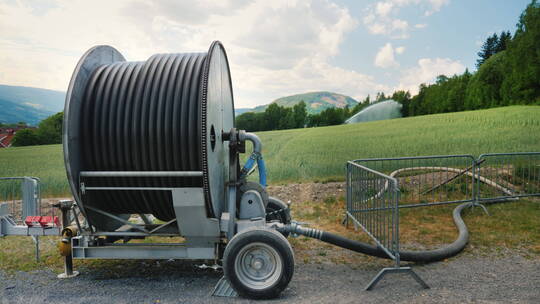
<point>296,229</point>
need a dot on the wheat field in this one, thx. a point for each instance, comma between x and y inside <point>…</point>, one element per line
<point>320,154</point>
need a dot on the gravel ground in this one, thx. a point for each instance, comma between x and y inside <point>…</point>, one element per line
<point>508,279</point>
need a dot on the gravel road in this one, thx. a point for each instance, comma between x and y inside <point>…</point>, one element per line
<point>507,279</point>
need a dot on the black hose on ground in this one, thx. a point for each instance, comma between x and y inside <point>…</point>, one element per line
<point>426,256</point>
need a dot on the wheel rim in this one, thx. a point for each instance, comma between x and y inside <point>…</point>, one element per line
<point>258,266</point>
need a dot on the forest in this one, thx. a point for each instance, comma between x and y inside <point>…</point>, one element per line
<point>508,74</point>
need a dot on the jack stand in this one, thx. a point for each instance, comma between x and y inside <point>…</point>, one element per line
<point>68,269</point>
<point>398,269</point>
<point>65,206</point>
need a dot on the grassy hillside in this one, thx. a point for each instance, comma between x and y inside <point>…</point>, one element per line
<point>320,153</point>
<point>316,102</point>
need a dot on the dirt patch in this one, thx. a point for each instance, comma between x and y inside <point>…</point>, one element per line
<point>308,192</point>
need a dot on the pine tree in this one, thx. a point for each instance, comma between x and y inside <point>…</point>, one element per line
<point>489,48</point>
<point>504,40</point>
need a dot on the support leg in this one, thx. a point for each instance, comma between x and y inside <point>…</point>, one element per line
<point>65,207</point>
<point>68,269</point>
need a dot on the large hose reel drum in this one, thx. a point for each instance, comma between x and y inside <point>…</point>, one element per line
<point>163,114</point>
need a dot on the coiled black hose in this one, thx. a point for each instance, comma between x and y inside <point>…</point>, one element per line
<point>426,256</point>
<point>143,116</point>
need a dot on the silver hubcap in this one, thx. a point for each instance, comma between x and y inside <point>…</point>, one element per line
<point>258,266</point>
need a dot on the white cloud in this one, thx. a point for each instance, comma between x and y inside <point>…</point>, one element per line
<point>436,6</point>
<point>275,47</point>
<point>429,6</point>
<point>385,57</point>
<point>396,28</point>
<point>426,71</point>
<point>400,25</point>
<point>383,8</point>
<point>380,18</point>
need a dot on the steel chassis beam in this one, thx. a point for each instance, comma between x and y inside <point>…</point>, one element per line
<point>140,251</point>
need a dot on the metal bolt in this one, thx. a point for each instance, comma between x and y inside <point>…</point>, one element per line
<point>257,264</point>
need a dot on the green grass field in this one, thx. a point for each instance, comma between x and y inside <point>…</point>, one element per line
<point>45,162</point>
<point>319,154</point>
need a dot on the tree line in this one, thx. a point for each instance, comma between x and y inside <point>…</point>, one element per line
<point>276,117</point>
<point>48,132</point>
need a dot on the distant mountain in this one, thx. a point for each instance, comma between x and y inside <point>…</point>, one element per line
<point>27,104</point>
<point>11,112</point>
<point>31,105</point>
<point>316,102</point>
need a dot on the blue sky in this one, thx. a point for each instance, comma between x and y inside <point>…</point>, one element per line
<point>276,48</point>
<point>457,32</point>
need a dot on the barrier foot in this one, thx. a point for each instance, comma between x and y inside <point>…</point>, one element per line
<point>481,206</point>
<point>345,221</point>
<point>406,270</point>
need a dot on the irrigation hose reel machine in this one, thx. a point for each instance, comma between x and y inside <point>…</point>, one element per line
<point>150,150</point>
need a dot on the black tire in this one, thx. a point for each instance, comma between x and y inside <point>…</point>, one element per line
<point>255,242</point>
<point>284,216</point>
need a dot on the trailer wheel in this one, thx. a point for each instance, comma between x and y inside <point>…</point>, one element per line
<point>259,263</point>
<point>277,210</point>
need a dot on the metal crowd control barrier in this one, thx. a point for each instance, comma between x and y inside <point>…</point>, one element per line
<point>511,175</point>
<point>372,204</point>
<point>20,197</point>
<point>429,180</point>
<point>377,188</point>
